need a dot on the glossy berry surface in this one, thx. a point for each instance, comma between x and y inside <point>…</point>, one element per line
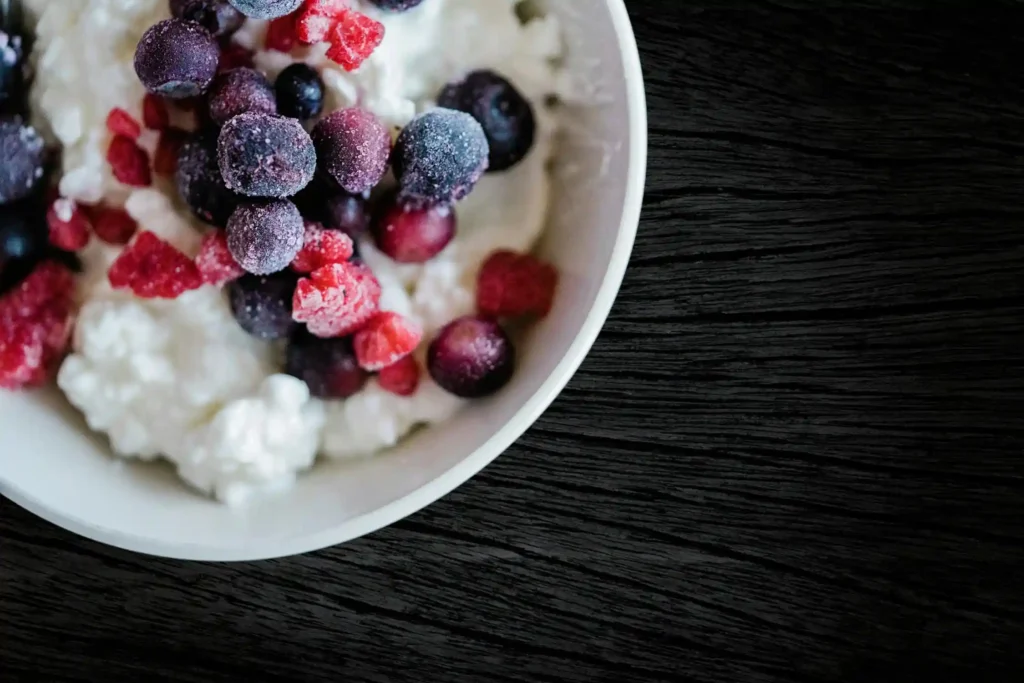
<point>413,235</point>
<point>327,366</point>
<point>300,92</point>
<point>265,236</point>
<point>439,157</point>
<point>216,16</point>
<point>322,247</point>
<point>12,63</point>
<point>262,305</point>
<point>237,91</point>
<point>266,9</point>
<point>471,357</point>
<point>505,115</point>
<point>23,232</point>
<point>22,159</point>
<point>385,339</point>
<point>177,59</point>
<point>200,183</point>
<point>262,155</point>
<point>396,5</point>
<point>352,148</point>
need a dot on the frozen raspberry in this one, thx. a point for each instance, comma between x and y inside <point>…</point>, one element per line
<point>200,183</point>
<point>327,366</point>
<point>234,56</point>
<point>300,92</point>
<point>322,248</point>
<point>471,357</point>
<point>238,91</point>
<point>386,339</point>
<point>153,269</point>
<point>352,147</point>
<point>396,5</point>
<point>177,59</point>
<point>337,300</point>
<point>262,305</point>
<point>129,162</point>
<point>168,149</point>
<point>50,284</point>
<point>317,19</point>
<point>262,155</point>
<point>281,34</point>
<point>439,157</point>
<point>215,262</point>
<point>113,226</point>
<point>216,16</point>
<point>266,9</point>
<point>35,326</point>
<point>120,122</point>
<point>155,115</point>
<point>353,38</point>
<point>511,285</point>
<point>21,356</point>
<point>413,235</point>
<point>69,225</point>
<point>265,236</point>
<point>22,159</point>
<point>401,378</point>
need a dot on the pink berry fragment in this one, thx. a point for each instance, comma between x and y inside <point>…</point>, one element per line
<point>68,224</point>
<point>153,269</point>
<point>402,378</point>
<point>322,248</point>
<point>215,262</point>
<point>336,300</point>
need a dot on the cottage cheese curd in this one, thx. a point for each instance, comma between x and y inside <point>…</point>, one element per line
<point>180,379</point>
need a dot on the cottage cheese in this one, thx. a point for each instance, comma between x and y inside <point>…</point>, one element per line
<point>179,379</point>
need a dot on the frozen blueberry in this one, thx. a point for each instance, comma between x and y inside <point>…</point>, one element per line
<point>505,115</point>
<point>348,213</point>
<point>237,91</point>
<point>216,16</point>
<point>300,92</point>
<point>22,159</point>
<point>12,68</point>
<point>412,235</point>
<point>396,5</point>
<point>265,236</point>
<point>471,357</point>
<point>262,155</point>
<point>262,305</point>
<point>439,157</point>
<point>266,9</point>
<point>352,148</point>
<point>177,59</point>
<point>327,366</point>
<point>23,240</point>
<point>200,183</point>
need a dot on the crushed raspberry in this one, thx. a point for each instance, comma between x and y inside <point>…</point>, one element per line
<point>354,38</point>
<point>165,159</point>
<point>113,226</point>
<point>234,56</point>
<point>281,34</point>
<point>129,162</point>
<point>153,269</point>
<point>317,18</point>
<point>386,339</point>
<point>69,225</point>
<point>321,248</point>
<point>155,114</point>
<point>512,285</point>
<point>120,122</point>
<point>336,300</point>
<point>215,262</point>
<point>401,378</point>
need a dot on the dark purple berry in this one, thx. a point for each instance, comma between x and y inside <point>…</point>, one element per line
<point>348,213</point>
<point>327,366</point>
<point>352,148</point>
<point>439,157</point>
<point>471,357</point>
<point>262,155</point>
<point>265,236</point>
<point>237,91</point>
<point>23,240</point>
<point>396,5</point>
<point>216,16</point>
<point>266,9</point>
<point>505,115</point>
<point>22,159</point>
<point>300,92</point>
<point>12,67</point>
<point>200,183</point>
<point>177,59</point>
<point>263,305</point>
<point>411,235</point>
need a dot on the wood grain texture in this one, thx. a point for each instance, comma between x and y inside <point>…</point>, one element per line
<point>795,454</point>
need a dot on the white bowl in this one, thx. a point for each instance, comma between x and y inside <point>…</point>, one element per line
<point>53,466</point>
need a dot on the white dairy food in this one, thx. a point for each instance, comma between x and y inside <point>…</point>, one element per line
<point>180,379</point>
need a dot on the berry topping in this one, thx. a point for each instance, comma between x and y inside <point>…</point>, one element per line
<point>22,240</point>
<point>439,157</point>
<point>215,262</point>
<point>113,226</point>
<point>386,339</point>
<point>266,9</point>
<point>200,183</point>
<point>265,236</point>
<point>471,357</point>
<point>505,115</point>
<point>322,248</point>
<point>352,147</point>
<point>396,5</point>
<point>153,269</point>
<point>238,91</point>
<point>177,59</point>
<point>348,213</point>
<point>413,235</point>
<point>69,226</point>
<point>120,122</point>
<point>317,19</point>
<point>513,285</point>
<point>327,366</point>
<point>281,34</point>
<point>337,300</point>
<point>155,115</point>
<point>262,155</point>
<point>353,38</point>
<point>263,305</point>
<point>168,149</point>
<point>129,162</point>
<point>402,378</point>
<point>12,67</point>
<point>234,56</point>
<point>216,16</point>
<point>300,92</point>
<point>22,159</point>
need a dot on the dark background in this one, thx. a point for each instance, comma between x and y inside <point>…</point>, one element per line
<point>794,454</point>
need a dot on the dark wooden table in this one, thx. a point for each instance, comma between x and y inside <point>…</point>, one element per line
<point>795,454</point>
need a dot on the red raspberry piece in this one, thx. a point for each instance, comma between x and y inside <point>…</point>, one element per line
<point>113,226</point>
<point>129,162</point>
<point>512,285</point>
<point>120,122</point>
<point>386,339</point>
<point>354,38</point>
<point>215,262</point>
<point>401,378</point>
<point>336,300</point>
<point>281,34</point>
<point>312,28</point>
<point>327,8</point>
<point>153,269</point>
<point>69,225</point>
<point>234,56</point>
<point>155,114</point>
<point>165,159</point>
<point>322,248</point>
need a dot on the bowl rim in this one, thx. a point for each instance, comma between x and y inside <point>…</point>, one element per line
<point>499,442</point>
